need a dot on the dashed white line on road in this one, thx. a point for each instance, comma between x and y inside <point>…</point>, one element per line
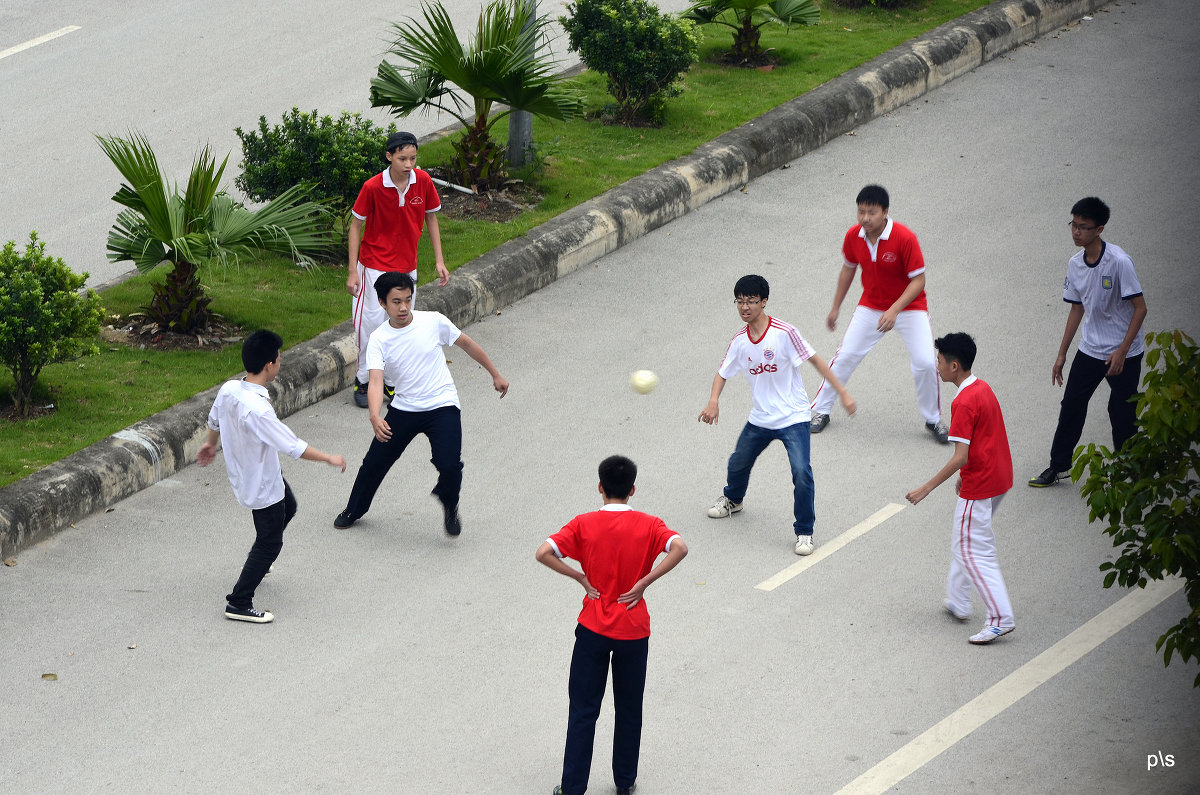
<point>1011,689</point>
<point>825,550</point>
<point>39,40</point>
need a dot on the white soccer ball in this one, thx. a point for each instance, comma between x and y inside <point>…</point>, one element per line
<point>643,381</point>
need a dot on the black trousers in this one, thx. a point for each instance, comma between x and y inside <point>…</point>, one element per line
<point>269,524</point>
<point>589,674</point>
<point>1086,374</point>
<point>443,427</point>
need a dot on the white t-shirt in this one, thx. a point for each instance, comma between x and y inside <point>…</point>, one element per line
<point>772,366</point>
<point>252,438</point>
<point>412,361</point>
<point>1105,290</point>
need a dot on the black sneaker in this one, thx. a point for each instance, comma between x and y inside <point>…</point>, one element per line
<point>939,431</point>
<point>626,790</point>
<point>451,520</point>
<point>344,519</point>
<point>248,614</point>
<point>818,423</point>
<point>360,394</point>
<point>1048,478</point>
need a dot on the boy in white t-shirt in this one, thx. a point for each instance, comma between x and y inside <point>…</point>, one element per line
<point>769,353</point>
<point>406,352</point>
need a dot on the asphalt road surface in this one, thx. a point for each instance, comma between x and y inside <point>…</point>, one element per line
<point>404,661</point>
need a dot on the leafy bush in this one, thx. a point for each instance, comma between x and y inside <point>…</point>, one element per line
<point>1148,490</point>
<point>641,51</point>
<point>333,157</point>
<point>43,317</point>
<point>747,17</point>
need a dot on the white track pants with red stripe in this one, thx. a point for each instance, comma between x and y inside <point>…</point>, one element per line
<point>862,335</point>
<point>368,315</point>
<point>973,562</point>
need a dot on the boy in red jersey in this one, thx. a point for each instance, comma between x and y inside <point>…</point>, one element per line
<point>893,277</point>
<point>393,206</point>
<point>616,547</point>
<point>981,452</point>
<point>769,353</point>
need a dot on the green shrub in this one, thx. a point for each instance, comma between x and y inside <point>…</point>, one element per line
<point>43,317</point>
<point>333,157</point>
<point>641,51</point>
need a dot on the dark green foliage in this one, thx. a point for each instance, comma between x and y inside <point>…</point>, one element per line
<point>641,51</point>
<point>1148,491</point>
<point>746,18</point>
<point>43,316</point>
<point>333,157</point>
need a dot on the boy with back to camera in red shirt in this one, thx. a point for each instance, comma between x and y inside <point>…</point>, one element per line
<point>981,453</point>
<point>616,547</point>
<point>385,225</point>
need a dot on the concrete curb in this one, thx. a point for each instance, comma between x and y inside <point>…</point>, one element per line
<point>157,447</point>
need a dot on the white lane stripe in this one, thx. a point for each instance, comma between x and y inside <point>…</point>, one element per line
<point>1012,688</point>
<point>39,40</point>
<point>825,550</point>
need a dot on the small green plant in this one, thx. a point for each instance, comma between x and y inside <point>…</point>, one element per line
<point>747,17</point>
<point>1148,491</point>
<point>334,157</point>
<point>43,316</point>
<point>641,51</point>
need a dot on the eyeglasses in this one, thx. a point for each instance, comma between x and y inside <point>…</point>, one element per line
<point>1080,227</point>
<point>747,301</point>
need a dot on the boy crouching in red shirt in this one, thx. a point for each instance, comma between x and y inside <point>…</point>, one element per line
<point>981,452</point>
<point>616,547</point>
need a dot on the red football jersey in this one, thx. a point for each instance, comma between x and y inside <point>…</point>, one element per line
<point>886,272</point>
<point>975,418</point>
<point>395,216</point>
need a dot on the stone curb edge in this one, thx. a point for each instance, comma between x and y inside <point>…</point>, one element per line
<point>148,451</point>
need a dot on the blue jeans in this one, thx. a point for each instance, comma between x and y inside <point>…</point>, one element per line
<point>796,440</point>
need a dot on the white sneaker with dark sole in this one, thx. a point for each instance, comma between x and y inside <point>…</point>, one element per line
<point>988,634</point>
<point>804,545</point>
<point>248,614</point>
<point>723,507</point>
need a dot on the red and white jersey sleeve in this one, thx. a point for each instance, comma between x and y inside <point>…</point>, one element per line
<point>772,366</point>
<point>394,216</point>
<point>976,420</point>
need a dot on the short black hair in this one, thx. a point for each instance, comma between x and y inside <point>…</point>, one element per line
<point>390,281</point>
<point>617,474</point>
<point>750,286</point>
<point>1092,209</point>
<point>260,349</point>
<point>399,140</point>
<point>958,347</point>
<point>873,195</point>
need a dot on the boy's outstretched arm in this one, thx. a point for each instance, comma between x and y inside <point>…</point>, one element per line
<point>956,462</point>
<point>545,556</point>
<point>435,239</point>
<point>847,402</point>
<point>477,353</point>
<point>208,450</point>
<point>313,454</point>
<point>677,552</point>
<point>712,411</point>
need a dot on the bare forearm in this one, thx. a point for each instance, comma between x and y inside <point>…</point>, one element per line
<point>915,286</point>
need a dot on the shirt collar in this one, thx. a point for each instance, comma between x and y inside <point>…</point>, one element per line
<point>966,383</point>
<point>387,178</point>
<point>887,230</point>
<point>257,389</point>
<point>616,506</point>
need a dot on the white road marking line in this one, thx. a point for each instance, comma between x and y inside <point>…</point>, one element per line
<point>825,550</point>
<point>1011,689</point>
<point>39,40</point>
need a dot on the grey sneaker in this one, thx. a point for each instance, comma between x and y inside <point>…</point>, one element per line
<point>818,423</point>
<point>360,394</point>
<point>939,431</point>
<point>723,507</point>
<point>1049,477</point>
<point>804,545</point>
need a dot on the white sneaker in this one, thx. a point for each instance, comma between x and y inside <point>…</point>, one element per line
<point>723,507</point>
<point>950,609</point>
<point>988,634</point>
<point>804,545</point>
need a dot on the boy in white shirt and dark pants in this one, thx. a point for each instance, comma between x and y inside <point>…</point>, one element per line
<point>769,353</point>
<point>252,437</point>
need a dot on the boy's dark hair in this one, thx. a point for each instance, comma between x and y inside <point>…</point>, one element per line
<point>751,286</point>
<point>873,195</point>
<point>617,474</point>
<point>260,349</point>
<point>399,140</point>
<point>390,281</point>
<point>1091,209</point>
<point>958,347</point>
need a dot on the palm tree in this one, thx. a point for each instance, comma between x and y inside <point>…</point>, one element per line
<point>501,65</point>
<point>746,17</point>
<point>202,226</point>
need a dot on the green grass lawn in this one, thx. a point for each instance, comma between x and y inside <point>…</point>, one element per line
<point>97,396</point>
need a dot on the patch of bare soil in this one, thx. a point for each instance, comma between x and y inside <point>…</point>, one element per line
<point>134,331</point>
<point>8,412</point>
<point>496,206</point>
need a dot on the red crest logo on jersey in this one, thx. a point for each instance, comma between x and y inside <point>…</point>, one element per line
<point>769,354</point>
<point>889,256</point>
